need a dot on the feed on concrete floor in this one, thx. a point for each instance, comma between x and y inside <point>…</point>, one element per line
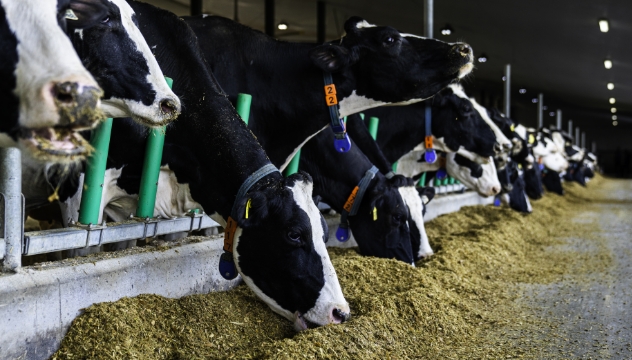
<point>446,307</point>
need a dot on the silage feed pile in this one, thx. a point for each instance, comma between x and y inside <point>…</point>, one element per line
<point>446,307</point>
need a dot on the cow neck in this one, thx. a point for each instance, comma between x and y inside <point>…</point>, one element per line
<point>352,204</point>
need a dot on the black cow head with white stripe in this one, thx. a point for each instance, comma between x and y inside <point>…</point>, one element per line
<point>117,55</point>
<point>404,68</point>
<point>280,253</point>
<point>45,92</point>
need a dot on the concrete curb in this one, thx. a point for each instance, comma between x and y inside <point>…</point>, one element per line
<point>38,306</point>
<point>440,205</point>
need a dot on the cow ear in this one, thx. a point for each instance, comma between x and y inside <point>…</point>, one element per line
<point>354,23</point>
<point>252,210</point>
<point>87,13</point>
<point>426,194</point>
<point>332,58</point>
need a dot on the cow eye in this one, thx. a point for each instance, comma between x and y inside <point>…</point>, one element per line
<point>294,236</point>
<point>398,218</point>
<point>105,20</point>
<point>390,40</point>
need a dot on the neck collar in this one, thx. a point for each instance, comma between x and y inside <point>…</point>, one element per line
<point>341,141</point>
<point>352,204</point>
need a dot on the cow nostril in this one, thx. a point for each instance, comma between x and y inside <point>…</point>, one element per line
<point>464,49</point>
<point>507,146</point>
<point>340,316</point>
<point>168,107</point>
<point>495,190</point>
<point>64,92</point>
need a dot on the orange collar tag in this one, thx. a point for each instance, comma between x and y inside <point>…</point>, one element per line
<point>330,95</point>
<point>428,142</point>
<point>351,199</point>
<point>229,234</point>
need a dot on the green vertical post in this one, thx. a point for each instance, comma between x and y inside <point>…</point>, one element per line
<point>151,170</point>
<point>95,173</point>
<point>373,123</point>
<point>437,182</point>
<point>243,106</point>
<point>422,180</point>
<point>445,181</point>
<point>362,116</point>
<point>292,167</point>
<point>394,166</point>
<point>452,180</point>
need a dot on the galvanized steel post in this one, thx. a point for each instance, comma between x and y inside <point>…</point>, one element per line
<point>151,170</point>
<point>94,174</point>
<point>583,140</point>
<point>507,88</point>
<point>570,127</point>
<point>540,110</point>
<point>558,122</point>
<point>577,132</point>
<point>12,215</point>
<point>428,18</point>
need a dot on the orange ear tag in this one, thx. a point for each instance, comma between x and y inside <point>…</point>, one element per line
<point>351,199</point>
<point>428,142</point>
<point>229,234</point>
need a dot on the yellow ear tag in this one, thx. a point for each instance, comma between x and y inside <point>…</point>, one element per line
<point>531,139</point>
<point>513,127</point>
<point>374,214</point>
<point>248,206</point>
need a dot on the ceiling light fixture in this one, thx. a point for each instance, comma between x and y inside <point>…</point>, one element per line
<point>534,100</point>
<point>612,100</point>
<point>603,25</point>
<point>614,123</point>
<point>283,26</point>
<point>610,86</point>
<point>522,91</point>
<point>552,113</point>
<point>607,64</point>
<point>483,58</point>
<point>613,110</point>
<point>447,30</point>
<point>614,117</point>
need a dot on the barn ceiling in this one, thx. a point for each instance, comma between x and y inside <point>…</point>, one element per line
<point>554,46</point>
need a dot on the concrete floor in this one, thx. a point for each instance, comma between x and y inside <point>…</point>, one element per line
<point>588,315</point>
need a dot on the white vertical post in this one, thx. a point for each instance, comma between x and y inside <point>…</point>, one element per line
<point>507,98</point>
<point>558,123</point>
<point>11,206</point>
<point>540,110</point>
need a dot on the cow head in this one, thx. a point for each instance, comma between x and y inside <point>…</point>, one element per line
<point>46,93</point>
<point>391,67</point>
<point>518,199</point>
<point>279,250</point>
<point>550,155</point>
<point>533,182</point>
<point>460,125</point>
<point>381,225</point>
<point>481,178</point>
<point>118,56</point>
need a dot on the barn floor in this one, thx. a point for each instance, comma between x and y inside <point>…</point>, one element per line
<point>552,284</point>
<point>588,313</point>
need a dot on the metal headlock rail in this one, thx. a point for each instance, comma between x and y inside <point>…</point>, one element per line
<point>14,242</point>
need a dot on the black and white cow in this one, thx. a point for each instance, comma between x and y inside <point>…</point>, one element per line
<point>371,66</point>
<point>279,248</point>
<point>552,181</point>
<point>388,216</point>
<point>45,92</point>
<point>482,178</point>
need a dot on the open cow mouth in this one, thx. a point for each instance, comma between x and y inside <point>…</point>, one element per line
<point>55,143</point>
<point>300,323</point>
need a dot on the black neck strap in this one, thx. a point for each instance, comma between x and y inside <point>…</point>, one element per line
<point>341,141</point>
<point>353,203</point>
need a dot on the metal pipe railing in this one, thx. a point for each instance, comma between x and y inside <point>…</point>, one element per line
<point>12,204</point>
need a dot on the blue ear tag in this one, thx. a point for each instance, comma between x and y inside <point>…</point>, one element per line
<point>430,156</point>
<point>342,234</point>
<point>342,145</point>
<point>497,202</point>
<point>227,267</point>
<point>442,174</point>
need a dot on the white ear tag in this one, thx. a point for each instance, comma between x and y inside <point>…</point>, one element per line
<point>70,15</point>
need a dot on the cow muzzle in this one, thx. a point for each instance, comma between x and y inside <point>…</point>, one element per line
<point>76,104</point>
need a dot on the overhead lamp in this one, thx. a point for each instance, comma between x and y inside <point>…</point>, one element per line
<point>603,25</point>
<point>607,64</point>
<point>615,123</point>
<point>612,100</point>
<point>610,86</point>
<point>282,25</point>
<point>544,107</point>
<point>534,100</point>
<point>504,78</point>
<point>614,117</point>
<point>613,110</point>
<point>522,91</point>
<point>552,113</point>
<point>447,30</point>
<point>482,58</point>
